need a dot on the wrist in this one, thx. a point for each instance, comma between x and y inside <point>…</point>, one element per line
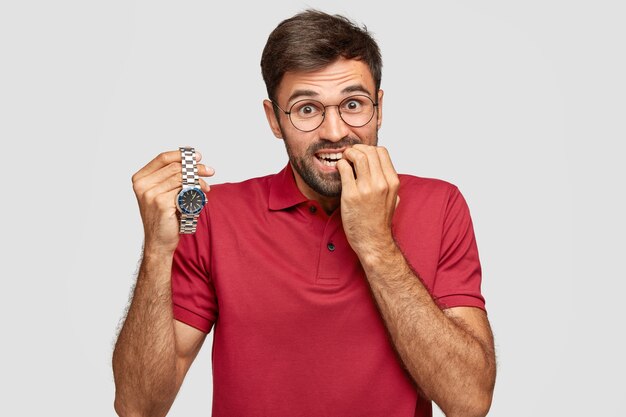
<point>386,266</point>
<point>153,251</point>
<point>156,266</point>
<point>379,252</point>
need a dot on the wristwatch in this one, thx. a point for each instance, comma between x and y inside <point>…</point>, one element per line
<point>191,199</point>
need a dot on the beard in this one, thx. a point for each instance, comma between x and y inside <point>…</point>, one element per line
<point>326,184</point>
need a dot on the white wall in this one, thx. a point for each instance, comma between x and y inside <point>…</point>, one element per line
<point>521,104</point>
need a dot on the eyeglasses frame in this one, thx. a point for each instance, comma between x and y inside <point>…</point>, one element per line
<point>288,113</point>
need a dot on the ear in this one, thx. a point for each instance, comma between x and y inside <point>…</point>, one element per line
<point>380,108</point>
<point>271,118</point>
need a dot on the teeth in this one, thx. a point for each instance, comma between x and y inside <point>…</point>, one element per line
<point>330,156</point>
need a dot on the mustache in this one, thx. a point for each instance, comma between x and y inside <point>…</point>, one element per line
<point>327,144</point>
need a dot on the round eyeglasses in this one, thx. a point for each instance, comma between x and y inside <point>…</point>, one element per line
<point>307,115</point>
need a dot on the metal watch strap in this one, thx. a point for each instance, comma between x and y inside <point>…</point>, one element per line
<point>188,222</point>
<point>190,169</point>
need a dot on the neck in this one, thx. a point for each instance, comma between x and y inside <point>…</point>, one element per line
<point>329,204</point>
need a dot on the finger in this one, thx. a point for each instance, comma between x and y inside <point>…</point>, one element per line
<point>169,187</point>
<point>167,171</point>
<point>161,160</point>
<point>205,171</point>
<point>359,161</point>
<point>348,182</point>
<point>390,173</point>
<point>173,182</point>
<point>373,160</point>
<point>162,174</point>
<point>204,186</point>
<point>386,164</point>
<point>167,199</point>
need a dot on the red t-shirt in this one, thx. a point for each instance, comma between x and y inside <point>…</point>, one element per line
<point>297,332</point>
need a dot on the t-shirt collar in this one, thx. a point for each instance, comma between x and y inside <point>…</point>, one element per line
<point>284,191</point>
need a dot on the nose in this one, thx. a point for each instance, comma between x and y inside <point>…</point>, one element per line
<point>333,128</point>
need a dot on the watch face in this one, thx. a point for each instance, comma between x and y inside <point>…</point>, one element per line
<point>191,201</point>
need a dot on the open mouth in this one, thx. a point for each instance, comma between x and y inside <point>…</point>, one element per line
<point>329,159</point>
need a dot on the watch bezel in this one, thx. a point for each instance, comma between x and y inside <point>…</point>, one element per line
<point>185,191</point>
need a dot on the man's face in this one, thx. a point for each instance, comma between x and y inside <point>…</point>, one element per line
<point>313,154</point>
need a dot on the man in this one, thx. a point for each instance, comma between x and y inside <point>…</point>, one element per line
<point>335,287</point>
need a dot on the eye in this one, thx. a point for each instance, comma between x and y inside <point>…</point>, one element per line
<point>306,109</point>
<point>353,104</point>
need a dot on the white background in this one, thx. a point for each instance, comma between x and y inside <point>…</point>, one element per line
<point>521,104</point>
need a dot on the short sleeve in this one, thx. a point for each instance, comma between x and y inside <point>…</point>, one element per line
<point>458,276</point>
<point>193,294</point>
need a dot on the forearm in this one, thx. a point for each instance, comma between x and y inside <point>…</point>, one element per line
<point>144,360</point>
<point>450,365</point>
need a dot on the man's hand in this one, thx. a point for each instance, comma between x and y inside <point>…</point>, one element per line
<point>153,351</point>
<point>156,186</point>
<point>449,355</point>
<point>369,200</point>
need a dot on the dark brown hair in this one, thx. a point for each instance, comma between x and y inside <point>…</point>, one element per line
<point>313,39</point>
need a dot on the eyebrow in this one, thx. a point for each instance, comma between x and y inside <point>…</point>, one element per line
<point>302,93</point>
<point>355,88</point>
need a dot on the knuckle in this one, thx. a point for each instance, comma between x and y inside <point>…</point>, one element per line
<point>381,188</point>
<point>138,187</point>
<point>370,150</point>
<point>162,157</point>
<point>175,167</point>
<point>149,195</point>
<point>366,190</point>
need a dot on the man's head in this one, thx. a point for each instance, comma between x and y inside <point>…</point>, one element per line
<point>321,66</point>
<point>311,40</point>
